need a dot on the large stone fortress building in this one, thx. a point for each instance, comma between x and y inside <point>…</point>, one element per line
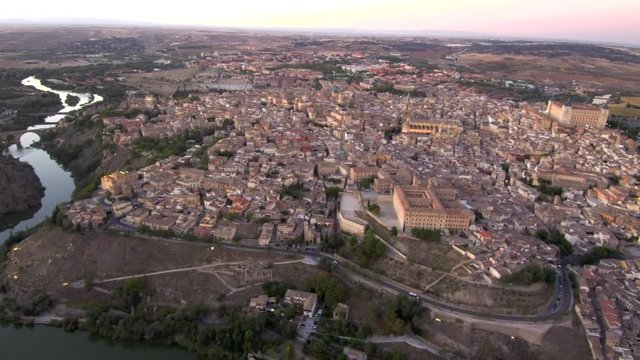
<point>581,116</point>
<point>429,208</point>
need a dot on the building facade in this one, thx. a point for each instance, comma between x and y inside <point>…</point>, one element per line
<point>118,183</point>
<point>581,116</point>
<point>420,207</point>
<point>360,173</point>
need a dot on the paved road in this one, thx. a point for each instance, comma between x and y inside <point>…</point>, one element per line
<point>382,283</point>
<point>387,284</point>
<point>428,301</point>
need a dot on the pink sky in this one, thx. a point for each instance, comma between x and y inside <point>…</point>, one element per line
<point>614,20</point>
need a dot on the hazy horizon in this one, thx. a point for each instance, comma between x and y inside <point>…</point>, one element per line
<point>545,19</point>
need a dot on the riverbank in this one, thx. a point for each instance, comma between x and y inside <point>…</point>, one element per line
<point>46,342</point>
<point>56,184</point>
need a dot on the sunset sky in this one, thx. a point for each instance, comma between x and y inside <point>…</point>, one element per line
<point>612,21</point>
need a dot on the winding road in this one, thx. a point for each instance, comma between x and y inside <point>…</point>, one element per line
<point>563,286</point>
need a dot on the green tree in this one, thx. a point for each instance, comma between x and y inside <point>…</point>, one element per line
<point>289,313</point>
<point>366,182</point>
<point>332,192</point>
<point>129,295</point>
<point>394,231</point>
<point>288,352</point>
<point>277,289</point>
<point>531,274</point>
<point>598,253</point>
<point>427,234</point>
<point>374,208</point>
<point>370,249</point>
<point>329,290</point>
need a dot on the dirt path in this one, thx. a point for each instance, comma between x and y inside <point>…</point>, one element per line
<point>191,268</point>
<point>459,265</point>
<point>410,340</point>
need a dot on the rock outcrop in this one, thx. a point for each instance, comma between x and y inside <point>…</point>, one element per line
<point>20,187</point>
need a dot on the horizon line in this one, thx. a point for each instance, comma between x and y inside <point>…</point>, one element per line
<point>335,31</point>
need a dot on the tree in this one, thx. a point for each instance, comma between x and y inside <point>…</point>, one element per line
<point>374,208</point>
<point>598,253</point>
<point>317,347</point>
<point>366,182</point>
<point>394,231</point>
<point>614,180</point>
<point>129,295</point>
<point>370,249</point>
<point>479,216</point>
<point>542,234</point>
<point>277,289</point>
<point>531,274</point>
<point>427,234</point>
<point>332,192</point>
<point>332,243</point>
<point>556,238</point>
<point>329,290</point>
<point>289,313</point>
<point>288,352</point>
<point>399,313</point>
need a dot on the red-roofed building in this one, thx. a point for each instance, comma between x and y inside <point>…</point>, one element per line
<point>610,314</point>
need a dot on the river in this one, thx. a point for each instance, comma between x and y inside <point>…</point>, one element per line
<point>58,183</point>
<point>44,343</point>
<point>51,121</point>
<point>47,343</point>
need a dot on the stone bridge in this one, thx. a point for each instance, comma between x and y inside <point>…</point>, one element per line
<point>13,136</point>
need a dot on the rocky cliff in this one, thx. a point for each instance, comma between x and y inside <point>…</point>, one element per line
<point>20,187</point>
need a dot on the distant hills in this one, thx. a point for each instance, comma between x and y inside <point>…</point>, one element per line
<point>434,33</point>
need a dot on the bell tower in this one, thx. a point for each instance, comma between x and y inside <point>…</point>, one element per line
<point>406,115</point>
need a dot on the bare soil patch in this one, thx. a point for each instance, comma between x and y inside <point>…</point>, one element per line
<point>49,259</point>
<point>600,72</point>
<point>163,83</point>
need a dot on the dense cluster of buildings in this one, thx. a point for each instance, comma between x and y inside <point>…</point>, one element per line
<point>488,173</point>
<point>610,307</point>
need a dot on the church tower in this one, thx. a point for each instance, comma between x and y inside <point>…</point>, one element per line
<point>406,115</point>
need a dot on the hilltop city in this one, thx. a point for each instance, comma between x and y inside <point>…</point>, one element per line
<point>507,207</point>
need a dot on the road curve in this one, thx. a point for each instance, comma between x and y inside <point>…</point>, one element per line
<point>431,302</point>
<point>427,301</point>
